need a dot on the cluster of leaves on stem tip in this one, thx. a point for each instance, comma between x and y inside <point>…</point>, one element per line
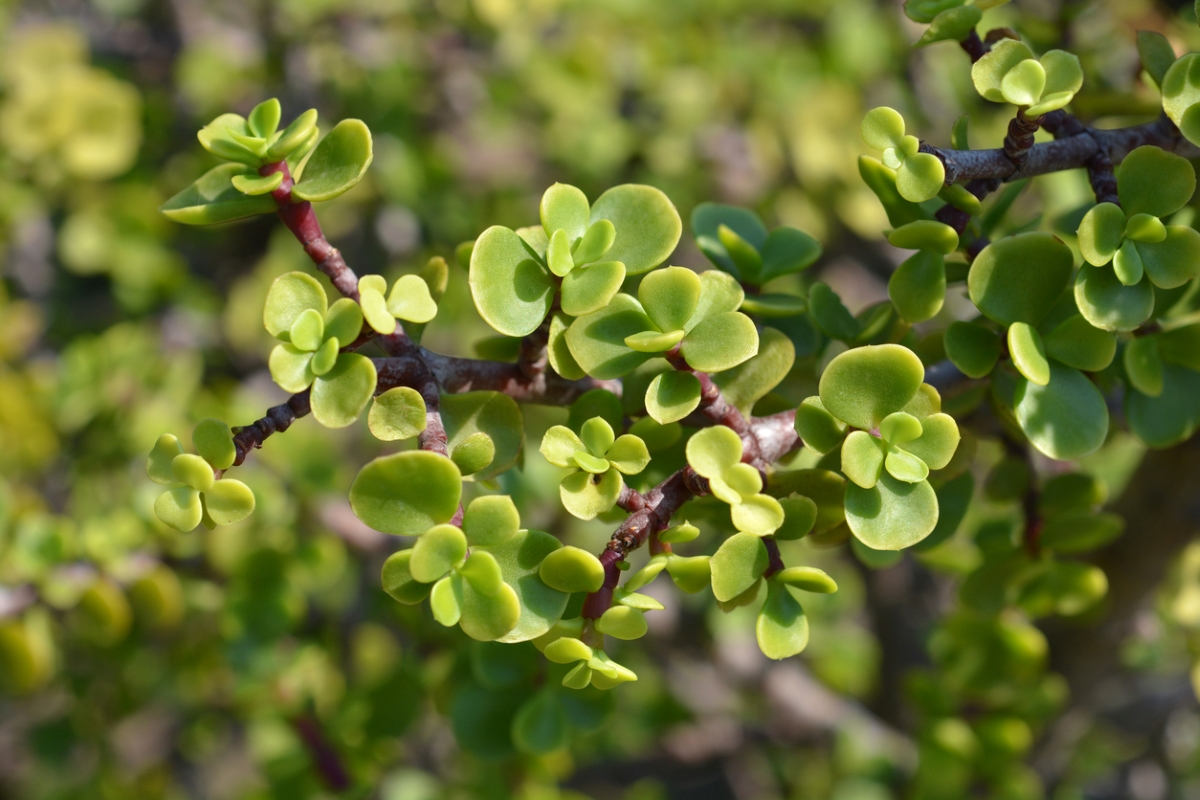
<point>1009,73</point>
<point>948,20</point>
<point>597,459</point>
<point>196,493</point>
<point>254,148</point>
<point>312,333</point>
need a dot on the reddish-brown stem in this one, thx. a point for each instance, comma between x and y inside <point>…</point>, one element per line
<point>1020,137</point>
<point>277,419</point>
<point>532,357</point>
<point>974,46</point>
<point>774,557</point>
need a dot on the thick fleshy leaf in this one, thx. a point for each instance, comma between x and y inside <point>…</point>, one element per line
<point>1019,278</point>
<point>707,218</point>
<point>1024,83</point>
<point>938,441</point>
<point>920,177</point>
<point>339,396</point>
<point>808,579</point>
<point>445,600</point>
<point>628,455</point>
<point>893,514</point>
<point>586,495</point>
<point>1143,365</point>
<point>905,466</point>
<point>564,207</point>
<point>691,575</point>
<point>597,436</point>
<point>918,286</point>
<point>559,445</point>
<point>595,243</point>
<point>1127,264</point>
<point>830,315</point>
<point>652,342</point>
<point>669,297</point>
<point>1028,352</point>
<point>290,296</point>
<point>864,385</point>
<point>1101,232</point>
<point>862,458</point>
<point>1065,419</point>
<point>512,290</point>
<point>927,234</point>
<point>343,321</point>
<point>759,514</point>
<point>1108,304</point>
<point>520,558</point>
<point>493,413</point>
<point>973,348</point>
<point>679,533</point>
<point>597,341</point>
<point>820,431</point>
<point>483,573</point>
<point>217,137</point>
<point>623,622</point>
<point>1152,181</point>
<point>647,223</point>
<point>158,463</point>
<point>570,569</point>
<point>882,128</point>
<point>1181,346</point>
<point>180,508</point>
<point>290,368</point>
<point>489,618</point>
<point>1173,261</point>
<point>1145,228</point>
<point>398,413</point>
<point>720,342</point>
<point>213,198</point>
<point>296,134</point>
<point>308,330</point>
<point>254,185</point>
<point>1157,54</point>
<point>899,428</point>
<point>747,383</point>
<point>782,627</point>
<point>737,565</point>
<point>557,350</point>
<point>714,450</point>
<point>671,396</point>
<point>192,470</point>
<point>323,360</point>
<point>338,163</point>
<point>490,520</point>
<point>411,301</point>
<point>989,71</point>
<point>398,581</point>
<point>406,493</point>
<point>925,11</point>
<point>744,254</point>
<point>590,288</point>
<point>952,25</point>
<point>719,294</point>
<point>438,550</point>
<point>774,305</point>
<point>1171,417</point>
<point>787,250</point>
<point>1181,93</point>
<point>1077,343</point>
<point>800,514</point>
<point>474,453</point>
<point>882,181</point>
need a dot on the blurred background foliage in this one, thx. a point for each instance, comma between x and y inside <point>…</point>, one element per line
<point>262,660</point>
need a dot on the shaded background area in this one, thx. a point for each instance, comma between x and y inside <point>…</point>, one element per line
<point>261,660</point>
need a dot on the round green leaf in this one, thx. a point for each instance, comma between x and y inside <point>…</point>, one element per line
<point>670,296</point>
<point>1019,278</point>
<point>920,177</point>
<point>759,514</point>
<point>1173,261</point>
<point>905,466</point>
<point>1101,232</point>
<point>158,463</point>
<point>691,575</point>
<point>570,569</point>
<point>1127,264</point>
<point>628,454</point>
<point>899,428</point>
<point>1064,78</point>
<point>180,508</point>
<point>988,72</point>
<point>672,396</point>
<point>926,234</point>
<point>1145,228</point>
<point>1181,92</point>
<point>597,435</point>
<point>1067,418</point>
<point>411,301</point>
<point>647,224</point>
<point>862,458</point>
<point>623,622</point>
<point>719,293</point>
<point>251,184</point>
<point>557,350</point>
<point>489,618</point>
<point>787,250</point>
<point>473,453</point>
<point>291,368</point>
<point>590,288</point>
<point>192,470</point>
<point>925,11</point>
<point>678,534</point>
<point>564,207</point>
<point>398,413</point>
<point>800,514</point>
<point>938,441</point>
<point>750,381</point>
<point>714,450</point>
<point>652,342</point>
<point>445,600</point>
<point>1171,417</point>
<point>339,396</point>
<point>972,348</point>
<point>398,581</point>
<point>213,198</point>
<point>490,520</point>
<point>1024,83</point>
<point>406,493</point>
<point>707,219</point>
<point>290,296</point>
<point>343,321</point>
<point>438,550</point>
<point>595,243</point>
<point>882,128</point>
<point>322,361</point>
<point>864,385</point>
<point>892,515</point>
<point>1077,343</point>
<point>1143,365</point>
<point>951,25</point>
<point>492,413</point>
<point>567,650</point>
<point>1028,353</point>
<point>774,305</point>
<point>744,254</point>
<point>820,431</point>
<point>512,290</point>
<point>559,445</point>
<point>338,163</point>
<point>737,565</point>
<point>808,579</point>
<point>918,286</point>
<point>1110,305</point>
<point>293,136</point>
<point>782,627</point>
<point>213,440</point>
<point>586,495</point>
<point>597,341</point>
<point>1152,181</point>
<point>720,342</point>
<point>520,557</point>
